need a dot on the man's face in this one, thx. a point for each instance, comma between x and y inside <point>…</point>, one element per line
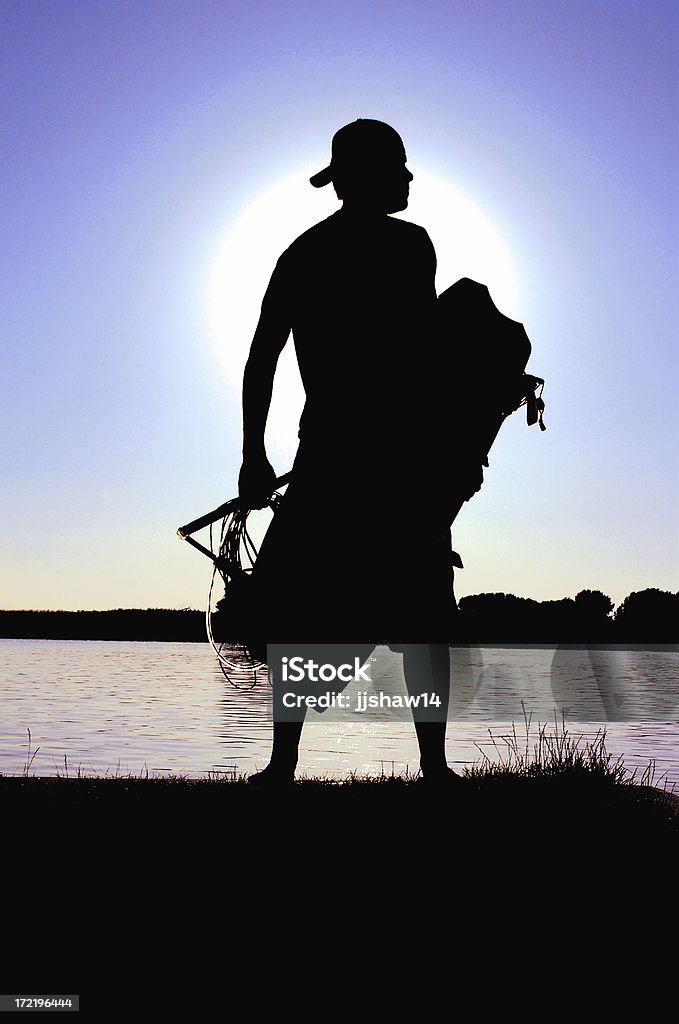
<point>395,185</point>
<point>381,181</point>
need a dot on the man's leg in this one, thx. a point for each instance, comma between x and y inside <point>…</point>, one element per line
<point>288,712</point>
<point>427,672</point>
<point>285,750</point>
<point>287,731</point>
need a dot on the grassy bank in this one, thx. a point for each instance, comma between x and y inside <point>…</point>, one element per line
<point>541,784</point>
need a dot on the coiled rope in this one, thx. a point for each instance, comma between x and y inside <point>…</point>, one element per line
<point>233,562</point>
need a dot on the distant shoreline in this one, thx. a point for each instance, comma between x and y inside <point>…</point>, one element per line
<point>133,624</point>
<point>188,626</point>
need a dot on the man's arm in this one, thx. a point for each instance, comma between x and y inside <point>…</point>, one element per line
<point>257,477</point>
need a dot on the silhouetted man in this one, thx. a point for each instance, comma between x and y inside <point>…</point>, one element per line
<point>361,542</point>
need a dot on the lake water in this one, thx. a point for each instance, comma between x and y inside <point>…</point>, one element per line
<point>123,707</point>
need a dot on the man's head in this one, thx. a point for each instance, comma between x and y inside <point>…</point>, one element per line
<point>368,166</point>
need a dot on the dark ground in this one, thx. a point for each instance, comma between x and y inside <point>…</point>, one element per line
<point>142,894</point>
<point>570,808</point>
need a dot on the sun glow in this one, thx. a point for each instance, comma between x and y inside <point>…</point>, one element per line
<point>466,246</point>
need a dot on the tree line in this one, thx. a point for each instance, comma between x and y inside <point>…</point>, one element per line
<point>646,616</point>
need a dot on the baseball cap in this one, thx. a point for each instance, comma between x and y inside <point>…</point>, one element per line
<point>361,142</point>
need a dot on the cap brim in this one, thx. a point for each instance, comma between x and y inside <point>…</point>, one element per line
<point>323,177</point>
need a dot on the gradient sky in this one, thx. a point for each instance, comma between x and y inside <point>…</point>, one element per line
<point>136,132</point>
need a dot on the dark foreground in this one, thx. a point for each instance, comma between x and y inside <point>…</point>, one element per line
<point>140,893</point>
<point>570,808</point>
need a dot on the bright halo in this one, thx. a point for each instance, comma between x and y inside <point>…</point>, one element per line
<point>466,246</point>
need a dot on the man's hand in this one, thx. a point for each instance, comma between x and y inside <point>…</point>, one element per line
<point>256,481</point>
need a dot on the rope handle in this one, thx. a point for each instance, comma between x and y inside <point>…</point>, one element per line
<point>229,507</point>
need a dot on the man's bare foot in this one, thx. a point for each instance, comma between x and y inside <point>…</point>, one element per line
<point>270,776</point>
<point>441,776</point>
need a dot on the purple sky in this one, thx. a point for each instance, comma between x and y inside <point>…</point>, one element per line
<point>135,133</point>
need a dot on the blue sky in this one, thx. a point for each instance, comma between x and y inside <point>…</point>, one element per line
<point>136,133</point>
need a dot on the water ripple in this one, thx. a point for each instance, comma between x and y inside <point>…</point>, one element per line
<point>116,707</point>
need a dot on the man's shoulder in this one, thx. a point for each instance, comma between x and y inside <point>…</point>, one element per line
<point>410,232</point>
<point>332,236</point>
<point>315,236</point>
<point>407,226</point>
<point>415,239</point>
